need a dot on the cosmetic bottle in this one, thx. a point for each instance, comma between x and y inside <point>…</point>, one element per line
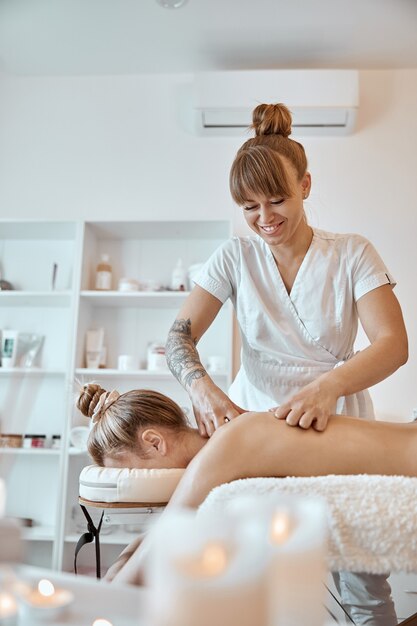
<point>9,340</point>
<point>103,274</point>
<point>179,277</point>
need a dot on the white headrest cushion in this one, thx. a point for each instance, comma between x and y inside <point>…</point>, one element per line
<point>110,484</point>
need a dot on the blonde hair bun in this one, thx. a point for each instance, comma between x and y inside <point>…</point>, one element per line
<point>88,398</point>
<point>272,119</point>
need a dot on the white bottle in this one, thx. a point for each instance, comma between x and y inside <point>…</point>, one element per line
<point>103,274</point>
<point>179,277</point>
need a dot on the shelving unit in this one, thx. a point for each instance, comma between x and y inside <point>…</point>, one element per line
<point>43,483</point>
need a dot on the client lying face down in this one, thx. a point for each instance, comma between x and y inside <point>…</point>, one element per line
<point>145,429</point>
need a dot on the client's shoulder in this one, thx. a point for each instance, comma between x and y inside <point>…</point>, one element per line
<point>248,424</point>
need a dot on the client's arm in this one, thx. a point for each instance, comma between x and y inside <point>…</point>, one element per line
<point>123,557</point>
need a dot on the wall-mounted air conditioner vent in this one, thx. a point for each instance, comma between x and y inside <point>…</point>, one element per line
<point>323,102</point>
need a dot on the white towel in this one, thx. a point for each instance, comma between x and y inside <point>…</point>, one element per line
<point>372,520</point>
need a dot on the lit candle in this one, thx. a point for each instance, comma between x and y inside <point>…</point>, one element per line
<point>211,562</point>
<point>205,573</point>
<point>46,602</point>
<point>8,609</point>
<point>293,530</point>
<point>297,570</point>
<point>280,528</point>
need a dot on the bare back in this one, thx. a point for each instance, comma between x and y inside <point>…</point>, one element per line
<point>257,444</point>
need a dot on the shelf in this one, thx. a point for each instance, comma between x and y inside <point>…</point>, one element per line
<point>26,451</point>
<point>42,451</point>
<point>39,229</point>
<point>30,371</point>
<point>177,229</point>
<point>35,298</point>
<point>144,299</point>
<point>138,374</point>
<point>38,533</point>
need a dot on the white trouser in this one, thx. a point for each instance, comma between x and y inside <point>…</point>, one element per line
<point>366,598</point>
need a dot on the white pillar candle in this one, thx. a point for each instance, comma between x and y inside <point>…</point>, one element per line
<point>298,566</point>
<point>8,609</point>
<point>45,602</point>
<point>205,573</point>
<point>295,532</point>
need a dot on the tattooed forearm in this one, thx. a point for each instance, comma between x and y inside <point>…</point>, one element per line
<point>181,353</point>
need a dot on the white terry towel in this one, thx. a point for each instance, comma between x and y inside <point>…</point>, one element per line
<point>372,520</point>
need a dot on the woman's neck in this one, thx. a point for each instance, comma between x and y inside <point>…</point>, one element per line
<point>192,443</point>
<point>293,252</point>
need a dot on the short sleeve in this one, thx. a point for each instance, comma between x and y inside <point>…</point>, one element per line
<point>218,275</point>
<point>368,269</point>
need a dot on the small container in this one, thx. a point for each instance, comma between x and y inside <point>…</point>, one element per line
<point>128,284</point>
<point>79,437</point>
<point>34,441</point>
<point>127,362</point>
<point>216,364</point>
<point>102,364</point>
<point>156,359</point>
<point>103,274</point>
<point>9,339</point>
<point>56,442</point>
<point>10,441</point>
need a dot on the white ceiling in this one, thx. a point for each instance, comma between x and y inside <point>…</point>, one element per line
<point>70,37</point>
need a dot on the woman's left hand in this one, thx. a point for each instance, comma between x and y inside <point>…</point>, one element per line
<point>310,407</point>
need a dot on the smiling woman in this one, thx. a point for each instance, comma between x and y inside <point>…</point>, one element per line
<point>299,293</point>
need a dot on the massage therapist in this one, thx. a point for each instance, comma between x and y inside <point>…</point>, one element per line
<point>298,293</point>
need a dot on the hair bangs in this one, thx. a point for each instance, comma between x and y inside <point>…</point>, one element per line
<point>258,171</point>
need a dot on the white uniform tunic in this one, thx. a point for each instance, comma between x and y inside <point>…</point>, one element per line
<point>288,340</point>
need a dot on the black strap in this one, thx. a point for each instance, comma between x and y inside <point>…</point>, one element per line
<point>92,534</point>
<point>340,604</point>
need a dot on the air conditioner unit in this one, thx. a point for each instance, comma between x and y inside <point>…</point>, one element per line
<point>322,102</point>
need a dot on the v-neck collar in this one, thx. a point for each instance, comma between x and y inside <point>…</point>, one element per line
<point>301,270</point>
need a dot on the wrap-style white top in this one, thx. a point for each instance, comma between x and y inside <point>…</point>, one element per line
<point>288,340</point>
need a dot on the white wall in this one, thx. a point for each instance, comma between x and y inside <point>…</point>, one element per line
<point>119,148</point>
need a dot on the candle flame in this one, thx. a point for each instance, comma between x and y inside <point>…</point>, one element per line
<point>102,622</point>
<point>46,588</point>
<point>7,603</point>
<point>280,528</point>
<point>210,562</point>
<point>214,559</point>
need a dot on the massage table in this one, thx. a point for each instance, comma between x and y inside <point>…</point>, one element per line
<point>371,519</point>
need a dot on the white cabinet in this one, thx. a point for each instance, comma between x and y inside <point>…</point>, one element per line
<point>43,484</point>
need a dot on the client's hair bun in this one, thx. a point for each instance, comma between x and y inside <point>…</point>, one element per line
<point>88,398</point>
<point>272,119</point>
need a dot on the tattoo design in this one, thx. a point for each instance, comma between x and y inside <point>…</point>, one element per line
<point>181,353</point>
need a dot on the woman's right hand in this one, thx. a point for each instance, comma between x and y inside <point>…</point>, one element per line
<point>212,407</point>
